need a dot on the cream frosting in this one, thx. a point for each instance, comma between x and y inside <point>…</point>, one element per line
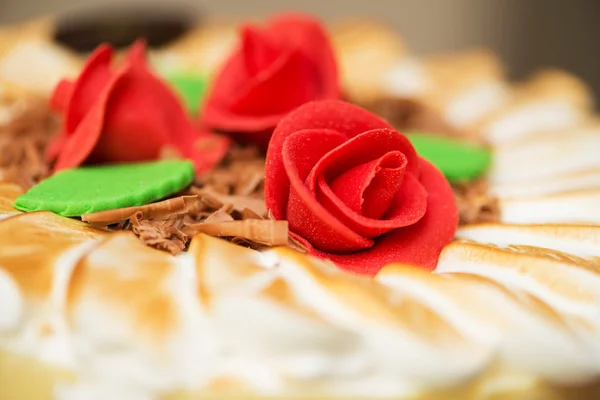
<point>407,79</point>
<point>551,185</point>
<point>523,339</point>
<point>21,65</point>
<point>11,304</point>
<point>583,241</point>
<point>532,117</point>
<point>581,207</point>
<point>468,107</point>
<point>46,334</point>
<point>546,157</point>
<point>279,322</point>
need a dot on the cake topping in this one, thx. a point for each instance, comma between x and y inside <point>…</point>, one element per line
<point>160,210</point>
<point>125,114</point>
<point>160,234</point>
<point>90,189</point>
<point>354,190</point>
<point>277,68</point>
<point>170,224</point>
<point>22,143</point>
<point>475,203</point>
<point>459,160</point>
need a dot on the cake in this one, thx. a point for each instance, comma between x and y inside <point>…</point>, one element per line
<point>277,241</point>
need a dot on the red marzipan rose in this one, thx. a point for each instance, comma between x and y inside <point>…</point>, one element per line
<point>277,68</point>
<point>125,114</point>
<point>354,190</point>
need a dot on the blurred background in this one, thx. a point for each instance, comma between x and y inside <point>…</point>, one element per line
<point>526,33</point>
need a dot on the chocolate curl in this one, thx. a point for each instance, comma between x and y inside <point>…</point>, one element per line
<point>239,203</point>
<point>162,235</point>
<point>249,214</point>
<point>160,210</point>
<point>218,216</point>
<point>249,186</point>
<point>266,232</point>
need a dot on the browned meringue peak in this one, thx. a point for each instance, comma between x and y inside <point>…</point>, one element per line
<point>523,330</point>
<point>40,28</point>
<point>23,54</point>
<point>396,325</point>
<point>204,48</point>
<point>571,151</point>
<point>560,183</point>
<point>579,240</point>
<point>549,100</point>
<point>123,274</point>
<point>366,50</point>
<point>461,87</point>
<point>221,266</point>
<point>33,244</point>
<point>8,194</point>
<point>568,284</point>
<point>574,207</point>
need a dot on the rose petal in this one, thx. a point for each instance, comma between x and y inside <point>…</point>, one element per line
<point>359,150</point>
<point>363,148</point>
<point>258,97</point>
<point>132,118</point>
<point>305,215</point>
<point>419,244</point>
<point>74,99</point>
<point>346,118</point>
<point>408,206</point>
<point>368,189</point>
<point>246,103</point>
<point>136,55</point>
<point>138,134</point>
<point>59,100</point>
<point>79,145</point>
<point>259,50</point>
<point>93,78</point>
<point>309,36</point>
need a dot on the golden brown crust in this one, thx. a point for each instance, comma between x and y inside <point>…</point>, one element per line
<point>33,242</point>
<point>134,285</point>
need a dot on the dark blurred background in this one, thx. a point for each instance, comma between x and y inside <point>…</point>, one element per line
<point>526,33</point>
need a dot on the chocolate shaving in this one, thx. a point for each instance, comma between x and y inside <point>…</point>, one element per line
<point>23,142</point>
<point>242,173</point>
<point>227,202</point>
<point>162,210</point>
<point>475,205</point>
<point>239,203</point>
<point>266,232</point>
<point>162,235</point>
<point>249,214</point>
<point>215,218</point>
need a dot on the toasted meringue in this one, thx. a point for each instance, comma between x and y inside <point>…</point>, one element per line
<point>364,45</point>
<point>203,49</point>
<point>20,65</point>
<point>463,87</point>
<point>549,100</point>
<point>576,207</point>
<point>582,241</point>
<point>566,283</point>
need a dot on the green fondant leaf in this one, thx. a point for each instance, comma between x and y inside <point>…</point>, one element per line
<point>459,160</point>
<point>85,190</point>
